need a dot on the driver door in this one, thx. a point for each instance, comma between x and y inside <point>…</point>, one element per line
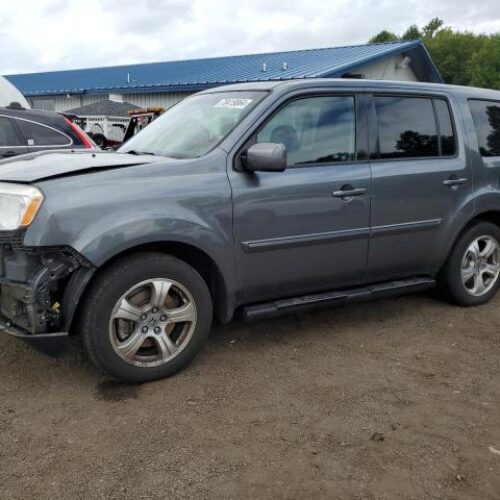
<point>296,231</point>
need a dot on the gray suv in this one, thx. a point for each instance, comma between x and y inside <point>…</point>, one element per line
<point>255,199</point>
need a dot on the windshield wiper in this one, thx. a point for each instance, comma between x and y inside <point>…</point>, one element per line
<point>134,152</point>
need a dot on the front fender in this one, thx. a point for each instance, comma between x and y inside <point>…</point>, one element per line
<point>103,214</point>
<point>108,237</point>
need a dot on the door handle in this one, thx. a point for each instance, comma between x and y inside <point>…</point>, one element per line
<point>348,191</point>
<point>455,181</point>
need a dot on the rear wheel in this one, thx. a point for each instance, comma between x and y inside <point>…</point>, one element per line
<point>100,140</point>
<point>146,317</point>
<point>471,274</point>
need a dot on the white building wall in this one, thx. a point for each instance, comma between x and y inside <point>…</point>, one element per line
<point>162,99</point>
<point>143,100</point>
<point>64,102</point>
<point>388,69</point>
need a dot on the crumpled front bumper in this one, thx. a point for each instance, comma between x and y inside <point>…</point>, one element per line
<point>34,288</point>
<point>7,327</point>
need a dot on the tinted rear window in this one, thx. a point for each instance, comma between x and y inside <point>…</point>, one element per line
<point>486,116</point>
<point>42,135</point>
<point>414,127</point>
<point>447,135</point>
<point>406,127</point>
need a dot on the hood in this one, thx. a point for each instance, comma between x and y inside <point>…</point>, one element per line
<point>48,164</point>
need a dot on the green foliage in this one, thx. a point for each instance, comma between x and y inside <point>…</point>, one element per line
<point>384,36</point>
<point>463,58</point>
<point>412,33</point>
<point>485,71</point>
<point>431,28</point>
<point>453,53</point>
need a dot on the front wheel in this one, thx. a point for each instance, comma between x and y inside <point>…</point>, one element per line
<point>471,274</point>
<point>146,317</point>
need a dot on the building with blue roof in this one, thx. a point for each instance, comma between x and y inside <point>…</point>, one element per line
<point>165,83</point>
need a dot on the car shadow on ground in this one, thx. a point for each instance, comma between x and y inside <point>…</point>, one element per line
<point>64,357</point>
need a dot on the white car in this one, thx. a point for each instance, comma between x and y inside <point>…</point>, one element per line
<point>9,94</point>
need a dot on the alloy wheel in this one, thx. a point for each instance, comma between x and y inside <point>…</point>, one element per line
<point>481,266</point>
<point>152,322</point>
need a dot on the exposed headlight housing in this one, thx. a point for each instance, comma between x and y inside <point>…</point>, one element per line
<point>19,204</point>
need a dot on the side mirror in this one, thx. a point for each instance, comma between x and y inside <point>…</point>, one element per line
<point>265,157</point>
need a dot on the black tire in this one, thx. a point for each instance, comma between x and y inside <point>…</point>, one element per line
<point>106,291</point>
<point>100,140</point>
<point>450,278</point>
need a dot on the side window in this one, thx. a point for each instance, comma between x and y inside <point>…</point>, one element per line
<point>446,132</point>
<point>406,127</point>
<point>486,116</point>
<point>8,136</point>
<point>39,135</point>
<point>314,130</point>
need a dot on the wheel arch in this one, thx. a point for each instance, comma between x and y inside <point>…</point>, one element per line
<point>492,216</point>
<point>203,263</point>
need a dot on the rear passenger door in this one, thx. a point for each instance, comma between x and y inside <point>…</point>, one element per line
<point>41,137</point>
<point>11,143</point>
<point>421,183</point>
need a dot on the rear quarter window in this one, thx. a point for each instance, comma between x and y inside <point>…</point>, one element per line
<point>486,117</point>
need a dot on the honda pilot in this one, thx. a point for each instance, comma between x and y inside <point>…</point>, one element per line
<point>252,200</point>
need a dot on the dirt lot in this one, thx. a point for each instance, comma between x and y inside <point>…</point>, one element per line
<point>386,400</point>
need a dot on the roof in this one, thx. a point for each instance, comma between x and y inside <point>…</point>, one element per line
<point>198,74</point>
<point>39,115</point>
<point>286,86</point>
<point>106,107</point>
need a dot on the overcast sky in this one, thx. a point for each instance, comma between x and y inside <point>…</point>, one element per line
<point>42,35</point>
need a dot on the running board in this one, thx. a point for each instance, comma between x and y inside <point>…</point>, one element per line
<point>388,289</point>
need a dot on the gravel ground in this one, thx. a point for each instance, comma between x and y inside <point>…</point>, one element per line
<point>385,400</point>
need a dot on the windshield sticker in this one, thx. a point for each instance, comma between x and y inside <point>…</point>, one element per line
<point>233,103</point>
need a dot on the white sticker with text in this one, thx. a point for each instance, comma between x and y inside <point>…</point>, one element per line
<point>233,103</point>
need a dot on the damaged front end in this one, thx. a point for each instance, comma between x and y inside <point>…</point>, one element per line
<point>39,287</point>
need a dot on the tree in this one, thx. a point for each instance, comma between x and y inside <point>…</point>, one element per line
<point>485,64</point>
<point>462,57</point>
<point>384,36</point>
<point>412,33</point>
<point>432,27</point>
<point>453,53</point>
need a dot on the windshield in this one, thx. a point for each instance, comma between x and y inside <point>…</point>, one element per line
<point>194,126</point>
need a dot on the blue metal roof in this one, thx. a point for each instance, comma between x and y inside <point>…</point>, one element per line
<point>198,74</point>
